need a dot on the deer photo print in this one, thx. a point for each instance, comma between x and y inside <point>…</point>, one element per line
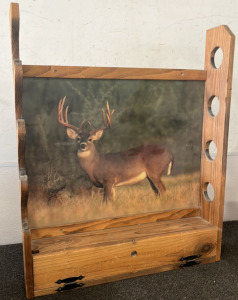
<point>103,148</point>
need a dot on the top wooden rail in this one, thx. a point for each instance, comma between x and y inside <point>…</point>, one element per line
<point>112,73</point>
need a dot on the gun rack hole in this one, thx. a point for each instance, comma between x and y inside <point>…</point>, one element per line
<point>211,150</point>
<point>216,57</point>
<point>208,192</point>
<point>133,254</point>
<point>213,106</point>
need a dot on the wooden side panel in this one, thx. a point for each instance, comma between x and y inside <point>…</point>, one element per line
<point>14,18</point>
<point>112,73</point>
<point>18,86</point>
<point>215,127</point>
<point>137,254</point>
<point>21,132</point>
<point>28,263</point>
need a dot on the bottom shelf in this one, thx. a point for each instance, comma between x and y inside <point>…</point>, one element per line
<point>119,253</point>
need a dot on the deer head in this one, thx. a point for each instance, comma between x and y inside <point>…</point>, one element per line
<point>85,137</point>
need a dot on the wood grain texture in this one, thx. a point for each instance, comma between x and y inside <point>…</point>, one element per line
<point>215,128</point>
<point>156,246</point>
<point>116,235</point>
<point>21,133</point>
<point>24,197</point>
<point>14,18</point>
<point>112,73</point>
<point>113,223</point>
<point>28,263</point>
<point>18,87</point>
<point>137,273</point>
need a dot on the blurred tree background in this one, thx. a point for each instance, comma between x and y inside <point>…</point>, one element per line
<point>167,113</point>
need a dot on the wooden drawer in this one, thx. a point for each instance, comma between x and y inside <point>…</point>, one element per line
<point>114,254</point>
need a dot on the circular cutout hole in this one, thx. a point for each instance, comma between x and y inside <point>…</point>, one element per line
<point>213,106</point>
<point>211,150</point>
<point>208,192</point>
<point>133,253</point>
<point>216,57</point>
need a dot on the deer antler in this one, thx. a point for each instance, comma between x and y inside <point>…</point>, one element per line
<point>106,119</point>
<point>63,119</point>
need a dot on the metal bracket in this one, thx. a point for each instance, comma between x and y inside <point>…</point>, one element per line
<point>191,257</point>
<point>70,279</point>
<point>69,286</point>
<point>190,260</point>
<point>190,263</point>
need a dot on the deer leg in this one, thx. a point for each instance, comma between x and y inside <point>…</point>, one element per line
<point>161,188</point>
<point>156,185</point>
<point>108,191</point>
<point>153,186</point>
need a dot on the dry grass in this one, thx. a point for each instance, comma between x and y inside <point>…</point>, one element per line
<point>182,192</point>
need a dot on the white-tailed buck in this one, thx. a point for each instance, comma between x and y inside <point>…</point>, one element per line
<point>109,170</point>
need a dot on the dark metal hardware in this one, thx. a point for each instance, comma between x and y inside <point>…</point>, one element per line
<point>69,286</point>
<point>190,263</point>
<point>191,257</point>
<point>190,260</point>
<point>70,279</point>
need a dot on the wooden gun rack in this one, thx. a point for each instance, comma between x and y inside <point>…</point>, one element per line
<point>84,254</point>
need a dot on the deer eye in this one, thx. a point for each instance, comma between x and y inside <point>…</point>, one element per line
<point>79,138</point>
<point>90,139</point>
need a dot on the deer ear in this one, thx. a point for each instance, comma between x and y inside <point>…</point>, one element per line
<point>71,133</point>
<point>97,135</point>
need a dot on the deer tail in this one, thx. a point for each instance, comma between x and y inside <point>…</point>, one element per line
<point>170,166</point>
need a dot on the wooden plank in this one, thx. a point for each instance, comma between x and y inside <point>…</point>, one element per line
<point>112,73</point>
<point>24,197</point>
<point>21,132</point>
<point>116,235</point>
<point>14,18</point>
<point>142,272</point>
<point>28,263</point>
<point>215,128</point>
<point>18,86</point>
<point>100,261</point>
<point>113,222</point>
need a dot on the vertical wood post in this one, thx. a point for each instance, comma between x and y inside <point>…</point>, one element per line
<point>21,132</point>
<point>215,127</point>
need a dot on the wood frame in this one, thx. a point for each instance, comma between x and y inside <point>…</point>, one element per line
<point>191,235</point>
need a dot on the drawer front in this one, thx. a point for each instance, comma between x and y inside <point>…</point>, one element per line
<point>109,262</point>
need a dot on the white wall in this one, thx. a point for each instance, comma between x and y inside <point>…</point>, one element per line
<point>134,33</point>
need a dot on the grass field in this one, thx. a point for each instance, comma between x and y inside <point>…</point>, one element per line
<point>182,192</point>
